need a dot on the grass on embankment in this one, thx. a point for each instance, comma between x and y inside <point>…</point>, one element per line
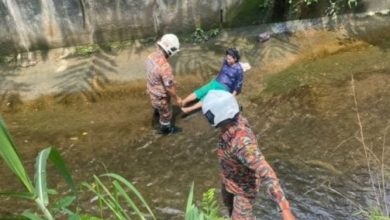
<point>333,69</point>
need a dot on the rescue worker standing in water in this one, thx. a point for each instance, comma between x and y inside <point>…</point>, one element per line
<point>161,85</point>
<point>243,166</point>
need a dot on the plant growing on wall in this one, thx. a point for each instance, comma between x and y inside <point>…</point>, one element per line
<point>351,3</point>
<point>200,35</point>
<point>335,6</point>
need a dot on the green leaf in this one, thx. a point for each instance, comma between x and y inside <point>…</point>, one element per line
<point>210,205</point>
<point>122,192</point>
<point>190,198</point>
<point>110,204</point>
<point>88,217</point>
<point>132,188</point>
<point>10,156</point>
<point>52,192</point>
<point>31,215</point>
<point>100,201</point>
<point>117,208</point>
<point>64,202</point>
<point>192,212</point>
<point>20,195</point>
<point>74,216</point>
<point>40,172</point>
<point>60,164</point>
<point>40,176</point>
<point>67,212</point>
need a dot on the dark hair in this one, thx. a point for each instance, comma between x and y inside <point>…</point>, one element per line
<point>234,53</point>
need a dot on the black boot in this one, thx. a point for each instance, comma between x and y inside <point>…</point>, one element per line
<point>169,129</point>
<point>156,113</point>
<point>155,119</point>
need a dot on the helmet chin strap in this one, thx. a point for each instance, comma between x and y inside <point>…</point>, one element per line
<point>225,123</point>
<point>165,53</point>
<point>210,117</point>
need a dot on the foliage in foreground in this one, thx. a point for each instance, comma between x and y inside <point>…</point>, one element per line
<point>37,190</point>
<point>115,198</point>
<point>209,210</point>
<point>376,214</point>
<point>124,201</point>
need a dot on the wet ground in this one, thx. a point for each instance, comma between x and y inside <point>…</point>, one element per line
<point>301,106</point>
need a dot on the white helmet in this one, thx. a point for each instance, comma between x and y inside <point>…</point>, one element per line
<point>218,106</point>
<point>170,44</point>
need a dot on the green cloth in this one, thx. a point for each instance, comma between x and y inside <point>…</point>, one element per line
<point>212,85</point>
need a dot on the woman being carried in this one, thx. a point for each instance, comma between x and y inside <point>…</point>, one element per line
<point>230,78</point>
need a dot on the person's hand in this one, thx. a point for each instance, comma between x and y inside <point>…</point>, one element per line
<point>185,110</point>
<point>287,215</point>
<point>286,212</point>
<point>179,102</point>
<point>245,66</point>
<point>183,103</point>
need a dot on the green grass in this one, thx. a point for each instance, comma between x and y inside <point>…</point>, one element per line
<point>88,50</point>
<point>335,69</point>
<point>376,214</point>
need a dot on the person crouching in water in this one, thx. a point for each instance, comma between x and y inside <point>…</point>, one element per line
<point>161,82</point>
<point>242,165</point>
<point>230,78</point>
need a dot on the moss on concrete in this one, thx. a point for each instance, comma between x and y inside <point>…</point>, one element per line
<point>248,13</point>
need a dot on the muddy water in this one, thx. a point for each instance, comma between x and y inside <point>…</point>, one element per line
<point>307,128</point>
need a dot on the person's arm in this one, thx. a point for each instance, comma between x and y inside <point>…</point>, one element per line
<point>251,157</point>
<point>224,63</point>
<point>192,107</point>
<point>169,83</point>
<point>238,82</point>
<point>172,92</point>
<point>191,97</point>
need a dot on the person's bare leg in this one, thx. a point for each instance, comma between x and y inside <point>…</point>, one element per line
<point>191,97</point>
<point>192,107</point>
